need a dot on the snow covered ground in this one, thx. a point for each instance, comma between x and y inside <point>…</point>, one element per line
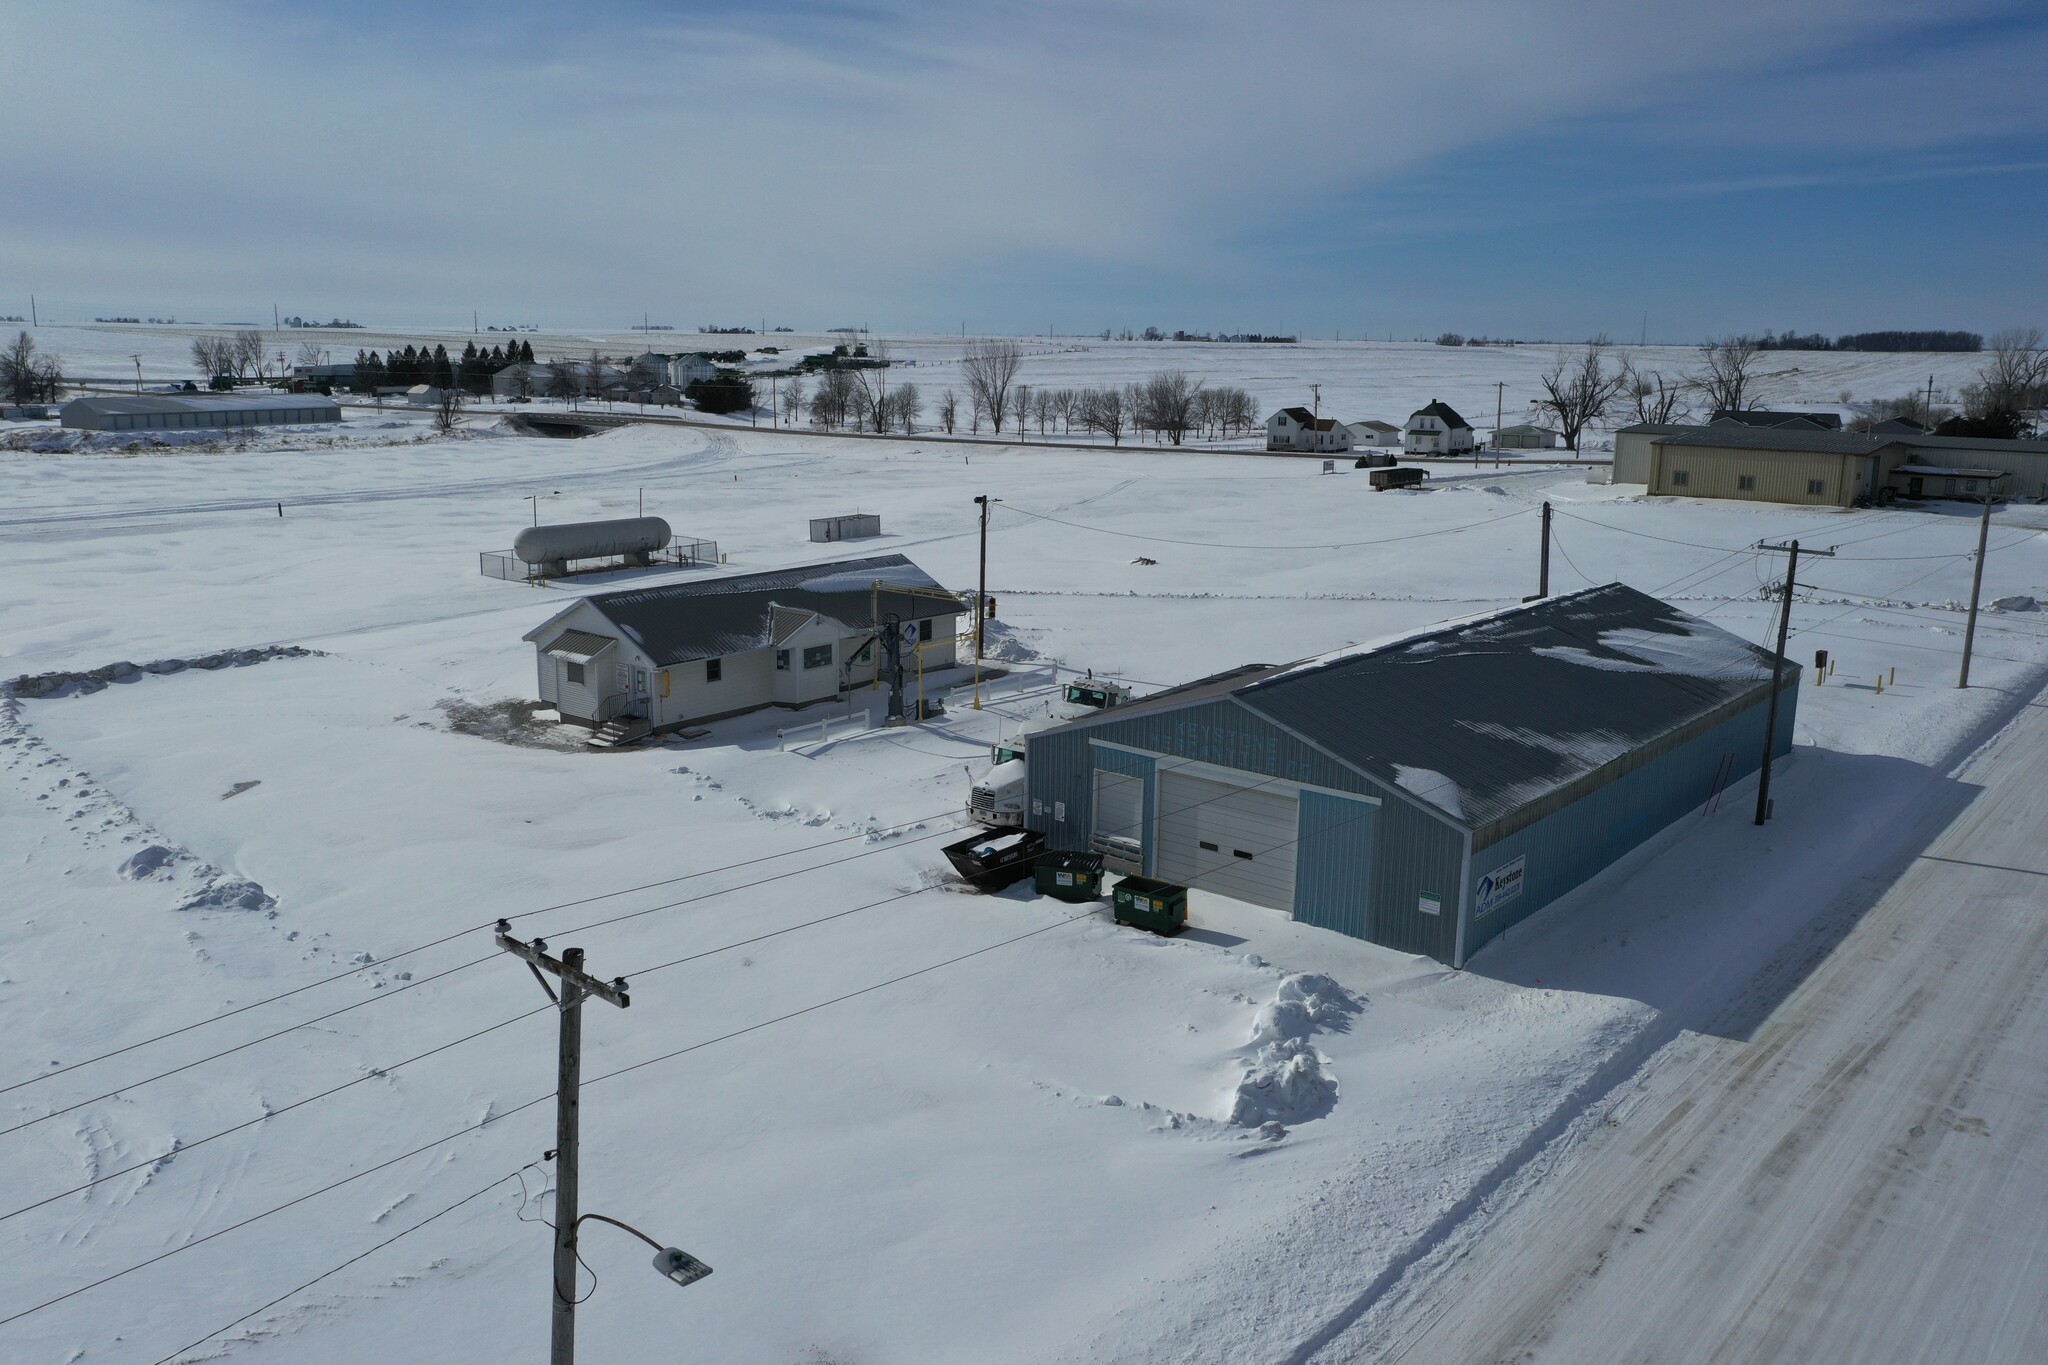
<point>1360,379</point>
<point>902,1123</point>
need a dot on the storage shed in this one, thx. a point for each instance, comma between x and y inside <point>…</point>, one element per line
<point>1429,791</point>
<point>858,526</point>
<point>187,411</point>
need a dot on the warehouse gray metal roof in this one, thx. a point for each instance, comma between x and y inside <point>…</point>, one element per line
<point>1486,717</point>
<point>1767,439</point>
<point>709,619</point>
<point>111,405</point>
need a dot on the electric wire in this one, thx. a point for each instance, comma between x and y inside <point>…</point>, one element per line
<point>1221,545</point>
<point>336,1270</point>
<point>268,1114</point>
<point>435,943</point>
<point>541,1099</point>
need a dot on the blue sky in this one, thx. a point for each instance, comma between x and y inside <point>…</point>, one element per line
<point>1526,168</point>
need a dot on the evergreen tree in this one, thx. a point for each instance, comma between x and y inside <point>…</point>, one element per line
<point>444,370</point>
<point>361,382</point>
<point>526,353</point>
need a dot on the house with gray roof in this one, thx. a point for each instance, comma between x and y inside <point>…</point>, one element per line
<point>1426,791</point>
<point>1436,430</point>
<point>655,658</point>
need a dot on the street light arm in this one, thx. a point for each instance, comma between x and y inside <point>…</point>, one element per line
<point>617,1224</point>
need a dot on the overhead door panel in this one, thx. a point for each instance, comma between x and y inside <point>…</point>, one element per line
<point>1235,841</point>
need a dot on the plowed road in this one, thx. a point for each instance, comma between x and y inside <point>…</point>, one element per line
<point>1864,1178</point>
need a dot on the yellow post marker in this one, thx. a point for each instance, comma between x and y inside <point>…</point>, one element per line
<point>1895,675</point>
<point>1880,684</point>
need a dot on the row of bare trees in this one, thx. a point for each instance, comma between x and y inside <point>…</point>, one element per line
<point>1593,386</point>
<point>237,356</point>
<point>28,376</point>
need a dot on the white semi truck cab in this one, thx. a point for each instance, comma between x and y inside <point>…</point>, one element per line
<point>997,799</point>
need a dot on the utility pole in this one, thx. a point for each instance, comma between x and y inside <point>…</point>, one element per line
<point>1763,785</point>
<point>577,986</point>
<point>1976,586</point>
<point>1543,564</point>
<point>1927,409</point>
<point>984,502</point>
<point>1500,388</point>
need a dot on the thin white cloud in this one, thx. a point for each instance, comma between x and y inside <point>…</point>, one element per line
<point>583,162</point>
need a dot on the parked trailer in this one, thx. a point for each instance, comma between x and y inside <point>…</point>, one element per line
<point>1401,476</point>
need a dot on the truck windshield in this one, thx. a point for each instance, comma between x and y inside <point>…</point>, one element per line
<point>1087,696</point>
<point>1004,753</point>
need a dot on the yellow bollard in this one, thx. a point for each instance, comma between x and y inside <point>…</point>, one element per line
<point>1831,668</point>
<point>1880,684</point>
<point>1895,675</point>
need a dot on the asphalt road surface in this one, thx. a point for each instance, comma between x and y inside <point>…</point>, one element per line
<point>1863,1177</point>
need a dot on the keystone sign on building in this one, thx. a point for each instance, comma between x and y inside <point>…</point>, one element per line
<point>1428,791</point>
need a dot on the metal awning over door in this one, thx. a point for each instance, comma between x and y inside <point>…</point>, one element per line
<point>1235,841</point>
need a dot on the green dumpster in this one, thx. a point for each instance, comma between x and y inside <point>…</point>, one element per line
<point>1069,876</point>
<point>1145,903</point>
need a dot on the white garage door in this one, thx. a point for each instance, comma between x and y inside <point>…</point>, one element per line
<point>1234,841</point>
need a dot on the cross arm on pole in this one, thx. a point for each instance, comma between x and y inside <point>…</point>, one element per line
<point>535,955</point>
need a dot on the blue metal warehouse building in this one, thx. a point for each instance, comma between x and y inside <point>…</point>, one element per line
<point>1425,793</point>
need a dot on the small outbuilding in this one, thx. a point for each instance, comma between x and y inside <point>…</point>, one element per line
<point>193,411</point>
<point>857,526</point>
<point>680,653</point>
<point>1527,437</point>
<point>1372,432</point>
<point>1428,791</point>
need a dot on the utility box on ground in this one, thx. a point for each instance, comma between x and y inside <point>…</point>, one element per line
<point>1145,903</point>
<point>859,526</point>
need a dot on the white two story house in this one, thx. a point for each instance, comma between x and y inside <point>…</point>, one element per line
<point>1299,429</point>
<point>1436,430</point>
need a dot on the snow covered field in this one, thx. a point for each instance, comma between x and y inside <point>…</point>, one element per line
<point>1360,379</point>
<point>902,1123</point>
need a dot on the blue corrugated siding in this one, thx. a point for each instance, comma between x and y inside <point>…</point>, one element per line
<point>1418,856</point>
<point>1366,878</point>
<point>1566,848</point>
<point>1333,864</point>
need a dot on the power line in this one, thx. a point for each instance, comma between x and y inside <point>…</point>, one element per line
<point>267,1115</point>
<point>326,1274</point>
<point>448,938</point>
<point>1220,545</point>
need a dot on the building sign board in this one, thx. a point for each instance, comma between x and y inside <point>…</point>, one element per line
<point>1501,885</point>
<point>1430,903</point>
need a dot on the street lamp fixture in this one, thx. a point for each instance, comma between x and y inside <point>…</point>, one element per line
<point>673,1262</point>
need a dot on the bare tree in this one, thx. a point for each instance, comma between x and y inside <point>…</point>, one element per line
<point>248,352</point>
<point>448,409</point>
<point>563,381</point>
<point>1578,393</point>
<point>214,356</point>
<point>1020,405</point>
<point>949,411</point>
<point>1727,379</point>
<point>1044,403</point>
<point>2013,372</point>
<point>311,353</point>
<point>1653,398</point>
<point>1106,410</point>
<point>909,406</point>
<point>833,402</point>
<point>18,376</point>
<point>990,368</point>
<point>1166,404</point>
<point>793,399</point>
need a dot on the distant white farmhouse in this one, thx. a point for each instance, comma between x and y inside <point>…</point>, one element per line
<point>1372,433</point>
<point>685,370</point>
<point>1299,429</point>
<point>1527,437</point>
<point>656,658</point>
<point>1436,430</point>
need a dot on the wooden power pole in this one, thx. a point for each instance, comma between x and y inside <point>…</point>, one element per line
<point>1763,783</point>
<point>1976,586</point>
<point>577,986</point>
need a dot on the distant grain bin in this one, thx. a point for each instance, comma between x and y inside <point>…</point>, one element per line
<point>552,547</point>
<point>859,526</point>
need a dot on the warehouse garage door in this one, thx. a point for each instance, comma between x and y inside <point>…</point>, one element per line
<point>1234,841</point>
<point>1119,814</point>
